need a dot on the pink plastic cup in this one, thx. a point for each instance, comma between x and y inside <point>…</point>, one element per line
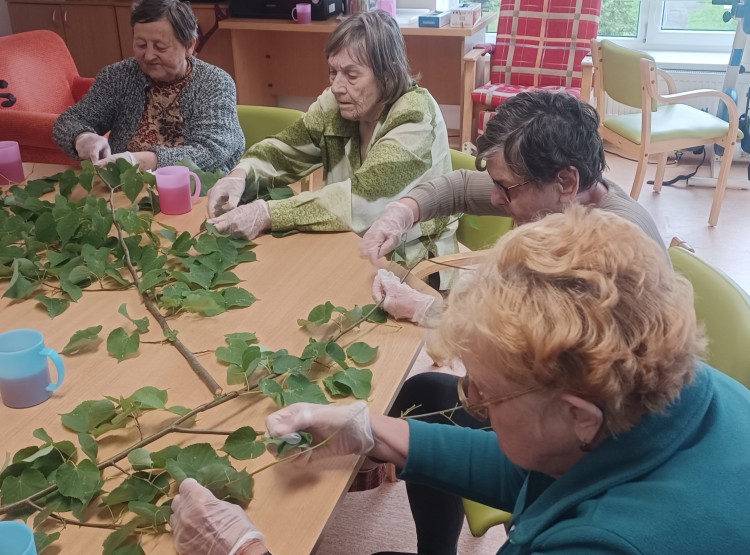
<point>11,167</point>
<point>173,186</point>
<point>302,13</point>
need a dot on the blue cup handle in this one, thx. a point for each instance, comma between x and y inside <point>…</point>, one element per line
<point>58,364</point>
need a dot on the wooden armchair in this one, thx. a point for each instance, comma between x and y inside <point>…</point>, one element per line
<point>540,44</point>
<point>42,76</point>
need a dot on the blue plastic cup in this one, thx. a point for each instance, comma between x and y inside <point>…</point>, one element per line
<point>24,372</point>
<point>16,539</point>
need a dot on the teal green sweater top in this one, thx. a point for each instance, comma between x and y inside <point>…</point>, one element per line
<point>676,484</point>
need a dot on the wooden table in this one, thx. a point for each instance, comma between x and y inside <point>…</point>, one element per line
<point>291,275</point>
<point>275,58</point>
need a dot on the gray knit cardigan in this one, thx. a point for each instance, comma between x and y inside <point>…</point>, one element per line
<point>117,99</point>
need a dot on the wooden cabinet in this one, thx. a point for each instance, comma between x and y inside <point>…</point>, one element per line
<point>90,31</point>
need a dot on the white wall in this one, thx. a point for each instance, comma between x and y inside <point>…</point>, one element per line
<point>4,19</point>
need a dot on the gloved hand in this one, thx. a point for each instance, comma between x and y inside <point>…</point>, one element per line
<point>244,222</point>
<point>400,300</point>
<point>127,156</point>
<point>204,525</point>
<point>346,427</point>
<point>387,231</point>
<point>225,195</point>
<point>91,146</point>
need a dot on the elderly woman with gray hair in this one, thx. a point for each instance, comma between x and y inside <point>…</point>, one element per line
<point>376,134</point>
<point>161,106</point>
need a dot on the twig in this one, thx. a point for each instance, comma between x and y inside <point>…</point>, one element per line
<point>193,362</point>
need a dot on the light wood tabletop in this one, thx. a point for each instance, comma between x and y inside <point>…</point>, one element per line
<point>291,504</point>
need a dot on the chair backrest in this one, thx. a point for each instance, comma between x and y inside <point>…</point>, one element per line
<point>39,70</point>
<point>723,308</point>
<point>542,43</point>
<point>619,72</point>
<point>477,232</point>
<point>259,122</point>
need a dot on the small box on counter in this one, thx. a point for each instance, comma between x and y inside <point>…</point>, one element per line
<point>466,15</point>
<point>435,19</point>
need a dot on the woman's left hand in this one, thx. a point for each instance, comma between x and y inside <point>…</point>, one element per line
<point>244,222</point>
<point>129,157</point>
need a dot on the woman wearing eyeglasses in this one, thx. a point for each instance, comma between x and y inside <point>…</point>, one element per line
<point>608,434</point>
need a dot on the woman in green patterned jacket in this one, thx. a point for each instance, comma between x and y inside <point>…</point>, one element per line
<point>375,132</point>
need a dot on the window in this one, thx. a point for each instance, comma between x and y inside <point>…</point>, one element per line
<point>683,25</point>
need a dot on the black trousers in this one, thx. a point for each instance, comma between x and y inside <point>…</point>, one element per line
<point>438,515</point>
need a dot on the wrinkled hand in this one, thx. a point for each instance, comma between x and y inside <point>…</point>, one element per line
<point>204,525</point>
<point>400,300</point>
<point>387,231</point>
<point>127,156</point>
<point>345,427</point>
<point>225,195</point>
<point>245,222</point>
<point>91,146</point>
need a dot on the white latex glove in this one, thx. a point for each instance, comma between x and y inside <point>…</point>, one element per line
<point>387,231</point>
<point>127,156</point>
<point>244,222</point>
<point>400,300</point>
<point>91,146</point>
<point>225,195</point>
<point>346,427</point>
<point>204,525</point>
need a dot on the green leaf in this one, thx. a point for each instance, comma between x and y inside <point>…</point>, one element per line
<point>209,303</point>
<point>242,445</point>
<point>19,287</point>
<point>314,349</point>
<point>361,353</point>
<point>121,345</point>
<point>140,458</point>
<point>191,460</point>
<point>336,353</point>
<point>54,306</point>
<point>67,226</point>
<point>88,415</point>
<point>41,433</point>
<point>280,193</point>
<point>152,279</point>
<point>82,481</point>
<point>154,516</point>
<point>132,185</point>
<point>141,324</point>
<point>378,316</point>
<point>352,381</point>
<point>89,446</point>
<point>284,447</point>
<point>81,339</point>
<point>236,296</point>
<point>140,486</point>
<point>43,540</point>
<point>284,363</point>
<point>319,315</point>
<point>120,536</point>
<point>241,336</point>
<point>150,397</point>
<point>27,484</point>
<point>299,389</point>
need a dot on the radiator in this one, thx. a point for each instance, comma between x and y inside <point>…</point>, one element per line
<point>692,80</point>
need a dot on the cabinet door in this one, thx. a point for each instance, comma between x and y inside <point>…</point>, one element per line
<point>218,48</point>
<point>33,17</point>
<point>91,34</point>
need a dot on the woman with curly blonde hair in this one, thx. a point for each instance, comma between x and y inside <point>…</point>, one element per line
<point>608,434</point>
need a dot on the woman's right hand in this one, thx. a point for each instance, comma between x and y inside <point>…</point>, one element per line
<point>91,146</point>
<point>388,230</point>
<point>346,429</point>
<point>225,194</point>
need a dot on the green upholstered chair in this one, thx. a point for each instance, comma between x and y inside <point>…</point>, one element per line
<point>259,122</point>
<point>630,77</point>
<point>723,307</point>
<point>477,232</point>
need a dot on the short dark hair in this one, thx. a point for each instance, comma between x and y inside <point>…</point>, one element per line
<point>540,132</point>
<point>373,38</point>
<point>179,14</point>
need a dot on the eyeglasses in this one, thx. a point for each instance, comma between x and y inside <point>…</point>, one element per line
<point>506,190</point>
<point>480,410</point>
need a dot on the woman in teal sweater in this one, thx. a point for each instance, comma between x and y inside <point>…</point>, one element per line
<point>609,436</point>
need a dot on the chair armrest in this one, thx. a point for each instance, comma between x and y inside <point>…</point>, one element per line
<point>80,86</point>
<point>478,51</point>
<point>668,79</point>
<point>587,75</point>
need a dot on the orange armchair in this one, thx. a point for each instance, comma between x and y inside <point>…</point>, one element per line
<point>540,44</point>
<point>42,76</point>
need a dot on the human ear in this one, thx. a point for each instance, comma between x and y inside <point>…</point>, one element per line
<point>568,179</point>
<point>587,419</point>
<point>191,48</point>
